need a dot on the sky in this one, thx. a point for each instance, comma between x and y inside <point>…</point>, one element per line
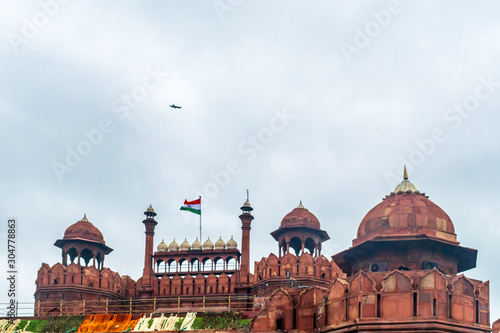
<point>293,100</point>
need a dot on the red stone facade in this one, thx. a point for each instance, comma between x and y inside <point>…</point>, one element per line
<point>402,274</point>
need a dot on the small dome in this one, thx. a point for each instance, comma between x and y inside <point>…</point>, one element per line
<point>220,245</point>
<point>231,244</point>
<point>196,245</point>
<point>185,246</point>
<point>84,230</point>
<point>208,245</point>
<point>150,209</point>
<point>173,246</point>
<point>162,247</point>
<point>300,217</point>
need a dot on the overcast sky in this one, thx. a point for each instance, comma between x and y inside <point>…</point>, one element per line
<point>321,102</point>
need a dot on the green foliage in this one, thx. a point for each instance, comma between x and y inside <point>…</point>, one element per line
<point>197,324</point>
<point>178,324</point>
<point>22,324</point>
<point>245,323</point>
<point>36,326</point>
<point>210,320</point>
<point>150,322</point>
<point>222,320</point>
<point>62,324</point>
<point>230,320</point>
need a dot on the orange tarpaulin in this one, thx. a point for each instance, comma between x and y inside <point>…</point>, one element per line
<point>107,323</point>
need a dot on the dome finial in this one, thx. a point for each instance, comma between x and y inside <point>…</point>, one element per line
<point>150,212</point>
<point>85,217</point>
<point>300,205</point>
<point>246,208</point>
<point>405,175</point>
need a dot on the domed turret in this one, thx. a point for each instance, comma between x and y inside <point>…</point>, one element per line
<point>220,245</point>
<point>406,230</point>
<point>208,245</point>
<point>173,246</point>
<point>300,230</point>
<point>87,241</point>
<point>196,245</point>
<point>162,247</point>
<point>231,244</point>
<point>185,246</point>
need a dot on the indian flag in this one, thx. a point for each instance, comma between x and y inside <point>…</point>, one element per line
<point>192,206</point>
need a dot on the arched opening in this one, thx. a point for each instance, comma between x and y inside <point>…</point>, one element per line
<point>183,266</point>
<point>296,245</point>
<point>86,255</point>
<point>171,266</point>
<point>207,265</point>
<point>161,266</point>
<point>218,264</point>
<point>310,246</point>
<point>231,264</point>
<point>72,254</point>
<point>195,265</point>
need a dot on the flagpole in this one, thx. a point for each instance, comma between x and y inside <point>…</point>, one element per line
<point>200,221</point>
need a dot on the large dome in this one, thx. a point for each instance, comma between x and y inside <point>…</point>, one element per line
<point>300,217</point>
<point>405,213</point>
<point>84,230</point>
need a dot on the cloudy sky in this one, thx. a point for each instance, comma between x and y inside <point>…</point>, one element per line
<point>292,100</point>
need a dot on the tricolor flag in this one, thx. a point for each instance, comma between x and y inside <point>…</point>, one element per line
<point>192,206</point>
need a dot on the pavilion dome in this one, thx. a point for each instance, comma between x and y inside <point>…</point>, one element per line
<point>208,245</point>
<point>300,217</point>
<point>220,244</point>
<point>231,244</point>
<point>84,230</point>
<point>185,246</point>
<point>406,212</point>
<point>162,247</point>
<point>173,246</point>
<point>196,245</point>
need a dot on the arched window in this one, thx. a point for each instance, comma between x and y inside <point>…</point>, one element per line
<point>218,264</point>
<point>183,266</point>
<point>207,265</point>
<point>195,265</point>
<point>231,264</point>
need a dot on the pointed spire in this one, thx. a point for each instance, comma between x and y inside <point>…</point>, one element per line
<point>84,218</point>
<point>405,175</point>
<point>300,205</point>
<point>246,208</point>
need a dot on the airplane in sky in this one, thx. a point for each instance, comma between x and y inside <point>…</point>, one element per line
<point>175,106</point>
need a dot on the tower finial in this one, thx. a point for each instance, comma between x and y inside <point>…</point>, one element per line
<point>405,175</point>
<point>300,205</point>
<point>247,208</point>
<point>150,212</point>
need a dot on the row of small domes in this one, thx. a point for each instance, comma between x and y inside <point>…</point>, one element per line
<point>208,245</point>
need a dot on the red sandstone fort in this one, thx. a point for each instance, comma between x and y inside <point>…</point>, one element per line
<point>403,273</point>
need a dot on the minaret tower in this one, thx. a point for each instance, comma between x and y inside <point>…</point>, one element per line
<point>147,273</point>
<point>246,220</point>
